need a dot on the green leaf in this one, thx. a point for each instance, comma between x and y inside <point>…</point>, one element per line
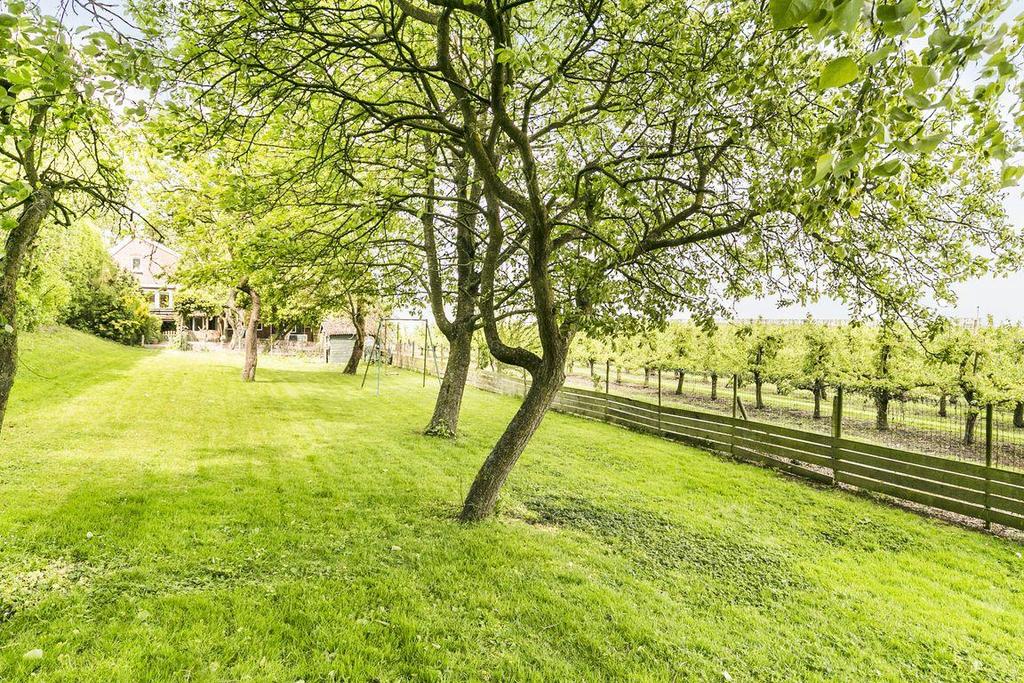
<point>790,13</point>
<point>924,77</point>
<point>928,143</point>
<point>887,169</point>
<point>847,15</point>
<point>918,101</point>
<point>847,163</point>
<point>822,167</point>
<point>941,39</point>
<point>889,13</point>
<point>878,55</point>
<point>1011,176</point>
<point>838,73</point>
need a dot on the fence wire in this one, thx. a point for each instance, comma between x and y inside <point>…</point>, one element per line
<point>949,428</point>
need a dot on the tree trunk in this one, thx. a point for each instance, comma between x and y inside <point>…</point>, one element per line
<point>816,392</point>
<point>483,495</point>
<point>234,319</point>
<point>618,374</point>
<point>679,381</point>
<point>714,386</point>
<point>19,241</point>
<point>969,422</point>
<point>359,322</point>
<point>591,362</point>
<point>942,405</point>
<point>1018,415</point>
<point>445,420</point>
<point>647,377</point>
<point>758,384</point>
<point>251,342</point>
<point>882,411</point>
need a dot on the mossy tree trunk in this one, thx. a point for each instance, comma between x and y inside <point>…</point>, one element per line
<point>19,242</point>
<point>882,399</point>
<point>251,329</point>
<point>459,329</point>
<point>445,420</point>
<point>483,494</point>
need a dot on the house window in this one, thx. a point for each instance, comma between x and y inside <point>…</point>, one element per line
<point>136,265</point>
<point>165,300</point>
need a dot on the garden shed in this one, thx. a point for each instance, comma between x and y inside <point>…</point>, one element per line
<point>338,337</point>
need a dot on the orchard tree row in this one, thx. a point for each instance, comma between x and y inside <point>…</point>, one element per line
<point>886,362</point>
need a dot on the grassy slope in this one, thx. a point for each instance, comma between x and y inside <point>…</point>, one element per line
<point>161,521</point>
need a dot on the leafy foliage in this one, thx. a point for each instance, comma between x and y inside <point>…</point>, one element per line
<point>106,302</point>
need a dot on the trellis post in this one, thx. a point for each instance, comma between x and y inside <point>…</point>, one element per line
<point>426,343</point>
<point>735,394</point>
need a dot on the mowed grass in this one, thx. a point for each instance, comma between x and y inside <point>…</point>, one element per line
<point>159,520</point>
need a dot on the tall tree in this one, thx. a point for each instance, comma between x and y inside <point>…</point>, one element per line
<point>57,92</point>
<point>701,166</point>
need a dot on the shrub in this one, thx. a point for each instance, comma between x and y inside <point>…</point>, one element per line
<point>113,308</point>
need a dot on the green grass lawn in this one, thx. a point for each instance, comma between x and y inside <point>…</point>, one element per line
<point>159,520</point>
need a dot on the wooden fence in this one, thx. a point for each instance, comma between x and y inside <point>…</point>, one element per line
<point>984,492</point>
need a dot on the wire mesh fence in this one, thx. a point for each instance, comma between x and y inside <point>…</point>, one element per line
<point>947,427</point>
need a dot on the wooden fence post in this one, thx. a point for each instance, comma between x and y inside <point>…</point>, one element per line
<point>837,431</point>
<point>659,400</point>
<point>607,377</point>
<point>735,402</point>
<point>988,465</point>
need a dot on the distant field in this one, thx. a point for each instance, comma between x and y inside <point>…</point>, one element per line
<point>159,520</point>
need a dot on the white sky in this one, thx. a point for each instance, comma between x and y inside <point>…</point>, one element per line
<point>1002,298</point>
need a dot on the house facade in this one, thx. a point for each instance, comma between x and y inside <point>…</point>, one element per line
<point>152,264</point>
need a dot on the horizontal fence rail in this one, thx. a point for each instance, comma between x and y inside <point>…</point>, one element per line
<point>983,492</point>
<point>980,491</point>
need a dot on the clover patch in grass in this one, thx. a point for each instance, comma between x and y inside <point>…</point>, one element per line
<point>739,570</point>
